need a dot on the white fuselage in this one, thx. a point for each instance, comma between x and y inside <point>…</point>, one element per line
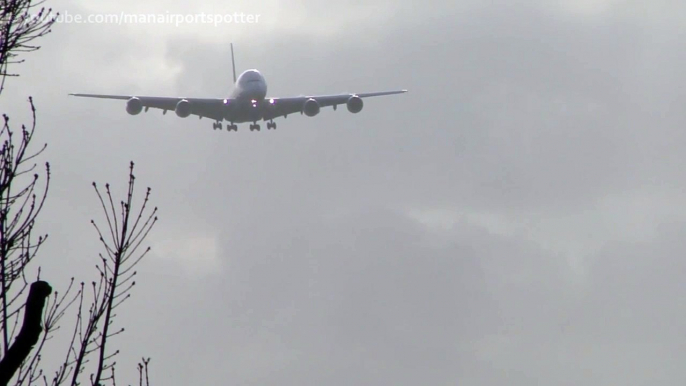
<point>250,85</point>
<point>246,102</point>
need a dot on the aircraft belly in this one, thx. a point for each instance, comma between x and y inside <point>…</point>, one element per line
<point>247,114</point>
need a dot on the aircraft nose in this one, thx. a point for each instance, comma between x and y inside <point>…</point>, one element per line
<point>251,77</point>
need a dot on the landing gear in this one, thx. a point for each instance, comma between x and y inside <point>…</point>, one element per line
<point>254,126</point>
<point>229,127</point>
<point>271,125</point>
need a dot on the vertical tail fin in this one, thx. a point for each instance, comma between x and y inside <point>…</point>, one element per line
<point>233,64</point>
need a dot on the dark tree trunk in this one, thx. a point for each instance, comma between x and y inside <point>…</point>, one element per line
<point>29,333</point>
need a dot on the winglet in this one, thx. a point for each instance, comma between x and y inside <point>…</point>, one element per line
<point>233,64</point>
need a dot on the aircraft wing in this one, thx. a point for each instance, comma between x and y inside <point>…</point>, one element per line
<point>214,108</point>
<point>291,105</point>
<point>202,107</point>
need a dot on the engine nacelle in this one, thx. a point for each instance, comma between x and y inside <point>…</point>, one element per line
<point>354,104</point>
<point>183,108</point>
<point>311,107</point>
<point>134,106</point>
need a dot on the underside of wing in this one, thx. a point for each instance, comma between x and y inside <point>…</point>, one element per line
<point>311,105</point>
<point>183,107</point>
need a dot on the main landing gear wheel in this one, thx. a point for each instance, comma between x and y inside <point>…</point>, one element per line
<point>217,126</point>
<point>254,126</point>
<point>232,127</point>
<point>271,125</point>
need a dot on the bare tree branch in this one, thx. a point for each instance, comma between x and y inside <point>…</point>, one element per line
<point>21,22</point>
<point>19,208</point>
<point>22,195</point>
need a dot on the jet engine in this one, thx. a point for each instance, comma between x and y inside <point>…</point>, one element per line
<point>183,108</point>
<point>311,107</point>
<point>354,104</point>
<point>134,106</point>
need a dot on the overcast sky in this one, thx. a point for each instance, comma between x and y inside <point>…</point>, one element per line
<point>517,217</point>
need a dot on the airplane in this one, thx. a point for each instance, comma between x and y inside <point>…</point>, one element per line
<point>246,103</point>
